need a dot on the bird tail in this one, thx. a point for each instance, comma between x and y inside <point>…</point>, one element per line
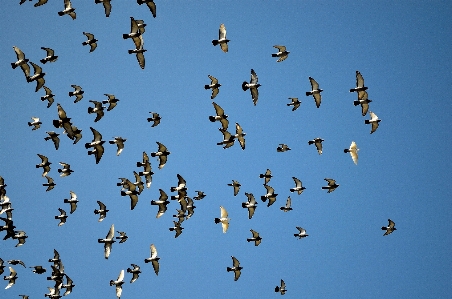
<point>292,190</point>
<point>60,13</point>
<point>71,93</point>
<point>383,228</point>
<point>274,55</point>
<point>215,42</point>
<point>325,188</point>
<point>29,124</point>
<point>217,220</point>
<point>66,200</point>
<point>308,93</point>
<point>87,145</point>
<point>261,175</point>
<point>367,122</point>
<point>139,164</point>
<point>96,212</point>
<point>206,86</point>
<point>171,229</point>
<point>173,189</point>
<point>59,170</point>
<point>228,269</point>
<point>123,193</point>
<point>212,118</point>
<point>352,90</point>
<point>244,85</point>
<point>130,51</point>
<point>311,142</point>
<point>56,123</point>
<point>125,36</point>
<point>43,61</point>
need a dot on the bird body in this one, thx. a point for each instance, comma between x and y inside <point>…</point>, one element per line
<point>50,56</point>
<point>301,233</point>
<point>331,185</point>
<point>91,41</point>
<point>390,228</point>
<point>374,121</point>
<point>256,238</point>
<point>214,85</point>
<point>68,10</point>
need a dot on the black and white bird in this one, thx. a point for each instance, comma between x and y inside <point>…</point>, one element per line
<point>91,41</point>
<point>363,100</point>
<point>62,217</point>
<point>50,183</point>
<point>38,76</point>
<point>78,93</point>
<point>154,259</point>
<point>72,201</point>
<point>177,228</point>
<point>36,123</point>
<point>239,135</point>
<point>38,269</point>
<point>271,195</point>
<point>282,53</point>
<point>96,144</point>
<point>68,10</point>
<point>295,103</point>
<point>255,238</point>
<point>119,141</point>
<point>353,150</point>
<point>135,272</point>
<point>315,92</point>
<point>281,289</point>
<point>222,40</point>
<point>21,61</point>
<point>288,206</point>
<point>50,56</point>
<point>318,144</point>
<point>107,6</point>
<point>374,121</point>
<point>301,233</point>
<point>298,186</point>
<point>359,83</point>
<point>118,283</point>
<point>266,176</point>
<point>102,211</point>
<point>108,241</point>
<point>66,170</point>
<point>390,228</point>
<point>155,118</point>
<point>162,153</point>
<point>331,185</point>
<point>162,202</point>
<point>283,148</point>
<point>45,164</point>
<point>147,169</point>
<point>252,86</point>
<point>122,237</point>
<point>112,101</point>
<point>224,220</point>
<point>220,116</point>
<point>214,85</point>
<point>236,268</point>
<point>48,97</point>
<point>98,109</point>
<point>54,137</point>
<point>250,204</point>
<point>139,49</point>
<point>200,195</point>
<point>150,4</point>
<point>236,185</point>
<point>11,278</point>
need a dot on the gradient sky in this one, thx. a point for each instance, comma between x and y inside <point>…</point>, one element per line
<point>401,48</point>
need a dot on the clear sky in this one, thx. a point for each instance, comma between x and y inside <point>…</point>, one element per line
<point>402,49</point>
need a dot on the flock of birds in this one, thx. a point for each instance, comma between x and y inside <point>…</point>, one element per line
<point>143,176</point>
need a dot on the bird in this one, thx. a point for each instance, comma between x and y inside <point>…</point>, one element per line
<point>359,83</point>
<point>266,176</point>
<point>295,103</point>
<point>162,154</point>
<point>50,56</point>
<point>108,241</point>
<point>16,262</point>
<point>353,150</point>
<point>50,183</point>
<point>97,144</point>
<point>138,182</point>
<point>68,286</point>
<point>162,202</point>
<point>220,116</point>
<point>288,205</point>
<point>155,118</point>
<point>72,201</point>
<point>190,206</point>
<point>154,259</point>
<point>390,228</point>
<point>318,144</point>
<point>252,86</point>
<point>223,219</point>
<point>8,227</point>
<point>271,195</point>
<point>45,164</point>
<point>315,92</point>
<point>98,109</point>
<point>102,211</point>
<point>66,171</point>
<point>39,3</point>
<point>147,171</point>
<point>54,137</point>
<point>118,283</point>
<point>77,134</point>
<point>53,292</point>
<point>239,134</point>
<point>134,32</point>
<point>21,61</point>
<point>11,278</point>
<point>301,233</point>
<point>214,85</point>
<point>282,288</point>
<point>374,120</point>
<point>235,267</point>
<point>91,41</point>
<point>36,124</point>
<point>177,228</point>
<point>236,185</point>
<point>48,97</point>
<point>107,6</point>
<point>282,53</point>
<point>38,76</point>
<point>78,93</point>
<point>24,296</point>
<point>122,236</point>
<point>135,272</point>
<point>68,10</point>
<point>200,195</point>
<point>62,217</point>
<point>119,141</point>
<point>133,194</point>
<point>222,40</point>
<point>256,238</point>
<point>363,100</point>
<point>21,236</point>
<point>250,204</point>
<point>228,139</point>
<point>151,6</point>
<point>139,48</point>
<point>331,185</point>
<point>112,101</point>
<point>298,186</point>
<point>283,148</point>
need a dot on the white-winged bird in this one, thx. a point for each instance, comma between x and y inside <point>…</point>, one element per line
<point>154,259</point>
<point>222,41</point>
<point>373,120</point>
<point>68,10</point>
<point>108,241</point>
<point>224,220</point>
<point>36,124</point>
<point>353,150</point>
<point>301,233</point>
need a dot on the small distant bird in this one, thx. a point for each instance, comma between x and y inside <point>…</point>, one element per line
<point>199,196</point>
<point>390,228</point>
<point>39,3</point>
<point>91,41</point>
<point>252,86</point>
<point>16,262</point>
<point>135,272</point>
<point>50,183</point>
<point>68,10</point>
<point>118,283</point>
<point>162,154</point>
<point>177,228</point>
<point>122,236</point>
<point>97,144</point>
<point>282,53</point>
<point>298,186</point>
<point>235,267</point>
<point>45,164</point>
<point>49,96</point>
<point>77,133</point>
<point>222,41</point>
<point>154,259</point>
<point>22,2</point>
<point>62,217</point>
<point>363,100</point>
<point>214,85</point>
<point>21,237</point>
<point>2,266</point>
<point>25,296</point>
<point>318,144</point>
<point>374,120</point>
<point>283,148</point>
<point>250,204</point>
<point>301,233</point>
<point>78,93</point>
<point>282,288</point>
<point>139,48</point>
<point>162,202</point>
<point>288,205</point>
<point>134,32</point>
<point>119,141</point>
<point>236,186</point>
<point>54,137</point>
<point>256,238</point>
<point>38,76</point>
<point>147,171</point>
<point>155,118</point>
<point>295,103</point>
<point>11,277</point>
<point>271,195</point>
<point>102,211</point>
<point>228,139</point>
<point>56,258</point>
<point>112,101</point>
<point>107,6</point>
<point>331,185</point>
<point>68,286</point>
<point>353,150</point>
<point>150,4</point>
<point>66,171</point>
<point>239,134</point>
<point>50,56</point>
<point>35,123</point>
<point>21,61</point>
<point>220,116</point>
<point>359,83</point>
<point>190,206</point>
<point>108,241</point>
<point>315,92</point>
<point>266,176</point>
<point>72,201</point>
<point>223,219</point>
<point>98,109</point>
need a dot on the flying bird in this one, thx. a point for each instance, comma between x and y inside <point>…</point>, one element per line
<point>282,53</point>
<point>200,195</point>
<point>21,61</point>
<point>235,267</point>
<point>155,118</point>
<point>66,170</point>
<point>78,93</point>
<point>141,26</point>
<point>239,134</point>
<point>220,116</point>
<point>250,204</point>
<point>190,207</point>
<point>162,202</point>
<point>147,171</point>
<point>68,10</point>
<point>134,31</point>
<point>119,141</point>
<point>282,288</point>
<point>331,185</point>
<point>112,101</point>
<point>288,205</point>
<point>36,124</point>
<point>228,139</point>
<point>11,278</point>
<point>298,186</point>
<point>21,237</point>
<point>38,76</point>
<point>72,201</point>
<point>151,6</point>
<point>22,2</point>
<point>271,195</point>
<point>53,292</point>
<point>266,176</point>
<point>214,85</point>
<point>301,233</point>
<point>223,219</point>
<point>50,56</point>
<point>154,259</point>
<point>122,236</point>
<point>295,103</point>
<point>390,228</point>
<point>16,262</point>
<point>363,100</point>
<point>68,286</point>
<point>222,41</point>
<point>162,154</point>
<point>45,164</point>
<point>359,83</point>
<point>353,150</point>
<point>97,144</point>
<point>315,92</point>
<point>39,3</point>
<point>374,120</point>
<point>252,86</point>
<point>108,241</point>
<point>177,228</point>
<point>98,109</point>
<point>107,6</point>
<point>139,48</point>
<point>255,238</point>
<point>91,41</point>
<point>118,283</point>
<point>132,192</point>
<point>77,134</point>
<point>50,183</point>
<point>38,269</point>
<point>135,272</point>
<point>236,185</point>
<point>283,148</point>
<point>49,96</point>
<point>54,137</point>
<point>102,211</point>
<point>318,144</point>
<point>62,217</point>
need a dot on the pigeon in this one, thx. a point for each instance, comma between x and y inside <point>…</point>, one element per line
<point>181,184</point>
<point>119,143</point>
<point>66,171</point>
<point>36,124</point>
<point>72,201</point>
<point>162,203</point>
<point>177,228</point>
<point>359,83</point>
<point>155,118</point>
<point>68,10</point>
<point>78,93</point>
<point>133,194</point>
<point>315,92</point>
<point>12,278</point>
<point>112,101</point>
<point>16,262</point>
<point>62,217</point>
<point>228,139</point>
<point>363,100</point>
<point>122,236</point>
<point>282,288</point>
<point>235,267</point>
<point>49,96</point>
<point>38,269</point>
<point>139,49</point>
<point>147,171</point>
<point>53,292</point>
<point>239,134</point>
<point>98,109</point>
<point>162,154</point>
<point>21,61</point>
<point>107,6</point>
<point>118,283</point>
<point>135,272</point>
<point>102,211</point>
<point>236,186</point>
<point>220,116</point>
<point>250,204</point>
<point>50,183</point>
<point>134,32</point>
<point>8,227</point>
<point>222,41</point>
<point>45,164</point>
<point>283,148</point>
<point>200,195</point>
<point>318,144</point>
<point>266,176</point>
<point>288,205</point>
<point>331,185</point>
<point>91,41</point>
<point>295,103</point>
<point>271,196</point>
<point>54,137</point>
<point>68,286</point>
<point>77,133</point>
<point>298,186</point>
<point>282,53</point>
<point>64,122</point>
<point>20,236</point>
<point>214,85</point>
<point>256,238</point>
<point>190,207</point>
<point>50,56</point>
<point>353,150</point>
<point>301,233</point>
<point>252,86</point>
<point>108,241</point>
<point>223,219</point>
<point>154,259</point>
<point>97,142</point>
<point>390,228</point>
<point>373,120</point>
<point>39,3</point>
<point>38,76</point>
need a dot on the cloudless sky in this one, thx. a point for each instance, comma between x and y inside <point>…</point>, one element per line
<point>401,48</point>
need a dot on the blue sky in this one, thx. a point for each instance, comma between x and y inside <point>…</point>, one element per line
<point>402,50</point>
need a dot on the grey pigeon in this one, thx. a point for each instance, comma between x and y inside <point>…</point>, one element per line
<point>50,56</point>
<point>222,40</point>
<point>315,92</point>
<point>282,53</point>
<point>252,86</point>
<point>236,268</point>
<point>68,10</point>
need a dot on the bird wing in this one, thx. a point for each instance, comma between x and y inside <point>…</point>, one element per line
<point>280,48</point>
<point>254,78</point>
<point>297,182</point>
<point>222,32</point>
<point>152,7</point>
<point>181,181</point>
<point>99,151</point>
<point>218,110</point>
<point>282,58</point>
<point>391,224</point>
<point>37,69</point>
<point>107,7</point>
<point>101,205</point>
<point>156,266</point>
<point>153,251</point>
<point>331,182</point>
<point>223,212</point>
<point>111,232</point>
<point>213,80</point>
<point>20,55</point>
<point>314,84</point>
<point>97,135</point>
<point>359,80</point>
<point>374,127</point>
<point>318,99</point>
<point>255,233</point>
<point>235,262</point>
<point>254,94</point>
<point>89,35</point>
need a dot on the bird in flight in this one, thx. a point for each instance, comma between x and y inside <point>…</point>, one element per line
<point>315,92</point>
<point>374,121</point>
<point>68,10</point>
<point>214,85</point>
<point>282,53</point>
<point>282,288</point>
<point>390,228</point>
<point>301,233</point>
<point>50,56</point>
<point>108,241</point>
<point>353,150</point>
<point>255,238</point>
<point>224,220</point>
<point>91,41</point>
<point>331,185</point>
<point>318,144</point>
<point>359,83</point>
<point>252,86</point>
<point>236,268</point>
<point>222,40</point>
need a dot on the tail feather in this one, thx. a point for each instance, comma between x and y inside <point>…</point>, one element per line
<point>274,55</point>
<point>111,142</point>
<point>152,154</point>
<point>308,93</point>
<point>13,65</point>
<point>130,51</point>
<point>356,103</point>
<point>60,13</point>
<point>90,109</point>
<point>346,150</point>
<point>243,204</point>
<point>263,198</point>
<point>277,289</point>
